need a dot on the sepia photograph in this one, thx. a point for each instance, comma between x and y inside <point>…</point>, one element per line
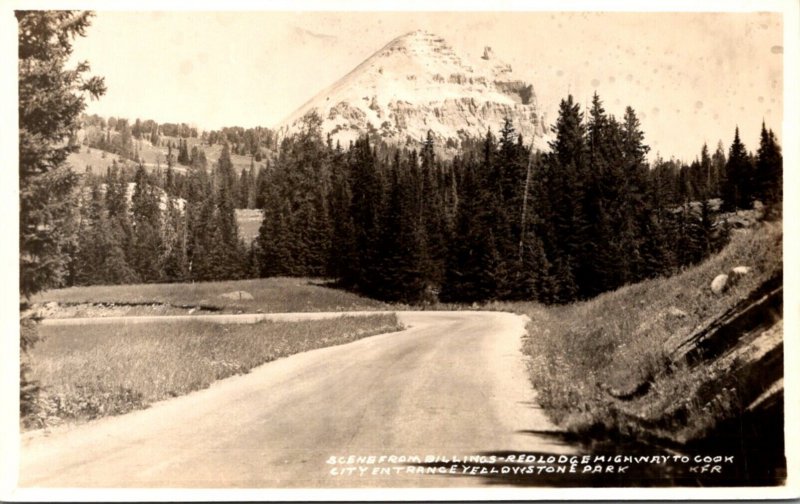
<point>372,251</point>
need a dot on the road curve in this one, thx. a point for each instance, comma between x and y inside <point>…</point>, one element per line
<point>451,384</point>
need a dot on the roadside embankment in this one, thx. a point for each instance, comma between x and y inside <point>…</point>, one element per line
<point>694,360</point>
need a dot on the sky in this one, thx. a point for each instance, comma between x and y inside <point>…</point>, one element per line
<point>691,77</point>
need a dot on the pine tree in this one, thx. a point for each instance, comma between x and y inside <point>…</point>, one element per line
<point>48,90</point>
<point>101,257</point>
<point>569,241</point>
<point>433,215</point>
<point>403,256</point>
<point>343,251</point>
<point>154,136</point>
<point>183,152</point>
<point>472,262</point>
<point>146,216</point>
<point>275,258</point>
<point>224,246</point>
<point>737,188</point>
<point>91,248</point>
<point>366,204</point>
<point>175,261</point>
<point>706,174</point>
<point>598,264</point>
<point>636,224</point>
<point>718,162</point>
<point>769,169</point>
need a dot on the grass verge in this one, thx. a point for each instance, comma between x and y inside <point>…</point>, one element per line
<point>621,339</point>
<point>91,371</point>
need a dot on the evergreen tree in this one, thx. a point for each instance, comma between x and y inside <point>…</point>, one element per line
<point>296,233</point>
<point>154,136</point>
<point>183,152</point>
<point>89,254</point>
<point>472,262</point>
<point>737,189</point>
<point>101,257</point>
<point>343,254</point>
<point>707,174</point>
<point>47,89</point>
<point>365,207</point>
<point>175,260</point>
<point>637,222</point>
<point>433,215</point>
<point>403,254</point>
<point>146,217</point>
<point>568,240</point>
<point>769,169</point>
<point>224,247</point>
<point>718,162</point>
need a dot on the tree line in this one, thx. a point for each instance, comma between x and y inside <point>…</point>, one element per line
<point>501,221</point>
<point>119,136</point>
<point>498,221</point>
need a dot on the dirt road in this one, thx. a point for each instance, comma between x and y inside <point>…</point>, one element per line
<point>452,384</point>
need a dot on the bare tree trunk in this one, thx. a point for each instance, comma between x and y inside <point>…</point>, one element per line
<point>525,204</point>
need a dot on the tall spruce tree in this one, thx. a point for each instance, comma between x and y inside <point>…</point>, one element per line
<point>433,214</point>
<point>146,217</point>
<point>737,188</point>
<point>403,266</point>
<point>366,204</point>
<point>224,248</point>
<point>569,239</point>
<point>471,273</point>
<point>51,99</point>
<point>769,169</point>
<point>343,251</point>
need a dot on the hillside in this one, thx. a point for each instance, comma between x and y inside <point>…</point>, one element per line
<point>673,360</point>
<point>152,156</point>
<point>417,83</point>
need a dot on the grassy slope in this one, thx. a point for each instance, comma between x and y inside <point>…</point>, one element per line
<point>98,161</point>
<point>270,295</point>
<point>108,369</point>
<point>150,154</point>
<point>578,352</point>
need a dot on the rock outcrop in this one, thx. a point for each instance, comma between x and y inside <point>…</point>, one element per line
<point>416,84</point>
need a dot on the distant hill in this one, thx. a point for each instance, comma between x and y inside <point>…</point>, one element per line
<point>152,156</point>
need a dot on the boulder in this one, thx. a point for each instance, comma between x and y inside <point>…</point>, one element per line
<point>719,284</point>
<point>739,271</point>
<point>238,295</point>
<point>676,312</point>
<point>736,274</point>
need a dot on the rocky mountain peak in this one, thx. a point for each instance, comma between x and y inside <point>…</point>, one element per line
<point>417,83</point>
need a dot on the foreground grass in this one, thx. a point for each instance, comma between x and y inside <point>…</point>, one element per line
<point>270,295</point>
<point>108,369</point>
<point>581,351</point>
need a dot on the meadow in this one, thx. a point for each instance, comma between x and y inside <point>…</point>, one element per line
<point>92,371</point>
<point>151,155</point>
<point>270,295</point>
